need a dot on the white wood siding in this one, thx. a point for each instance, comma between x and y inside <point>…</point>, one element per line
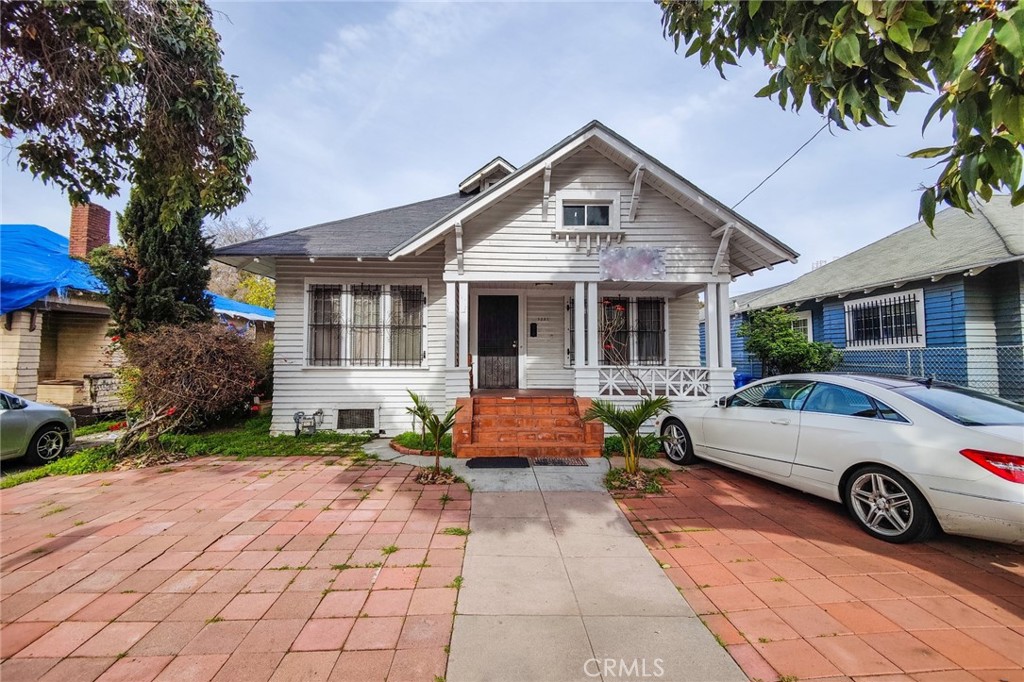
<point>297,387</point>
<point>512,236</point>
<point>684,331</point>
<point>545,353</point>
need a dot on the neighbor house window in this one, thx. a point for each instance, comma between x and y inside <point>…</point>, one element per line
<point>365,325</point>
<point>802,323</point>
<point>893,321</point>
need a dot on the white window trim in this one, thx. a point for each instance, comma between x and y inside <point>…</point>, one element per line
<point>385,285</point>
<point>806,315</point>
<point>919,293</point>
<point>591,197</point>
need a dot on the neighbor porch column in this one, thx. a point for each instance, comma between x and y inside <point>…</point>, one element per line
<point>451,313</point>
<point>463,355</point>
<point>593,354</point>
<point>724,331</point>
<point>579,330</point>
<point>712,326</point>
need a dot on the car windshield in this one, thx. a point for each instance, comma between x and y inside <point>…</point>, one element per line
<point>965,406</point>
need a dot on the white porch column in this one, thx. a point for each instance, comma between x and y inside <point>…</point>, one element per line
<point>593,356</point>
<point>451,314</point>
<point>724,330</point>
<point>579,331</point>
<point>463,355</point>
<point>711,326</point>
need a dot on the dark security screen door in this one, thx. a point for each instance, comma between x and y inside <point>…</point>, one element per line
<point>498,341</point>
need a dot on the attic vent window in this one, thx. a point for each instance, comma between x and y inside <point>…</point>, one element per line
<point>356,419</point>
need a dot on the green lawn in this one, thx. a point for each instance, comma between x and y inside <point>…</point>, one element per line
<point>91,429</point>
<point>250,438</point>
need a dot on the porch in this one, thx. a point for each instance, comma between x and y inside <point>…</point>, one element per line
<point>609,340</point>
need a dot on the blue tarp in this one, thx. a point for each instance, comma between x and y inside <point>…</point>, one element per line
<point>34,263</point>
<point>233,308</point>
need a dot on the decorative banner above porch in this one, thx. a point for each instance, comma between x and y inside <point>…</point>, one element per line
<point>632,263</point>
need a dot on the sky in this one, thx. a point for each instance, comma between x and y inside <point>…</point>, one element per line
<point>362,106</point>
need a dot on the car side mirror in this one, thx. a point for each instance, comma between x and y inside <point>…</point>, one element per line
<point>723,401</point>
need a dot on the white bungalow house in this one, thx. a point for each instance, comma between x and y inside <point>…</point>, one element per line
<point>522,295</point>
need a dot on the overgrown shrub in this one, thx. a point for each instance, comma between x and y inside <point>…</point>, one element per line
<point>187,377</point>
<point>771,336</point>
<point>265,385</point>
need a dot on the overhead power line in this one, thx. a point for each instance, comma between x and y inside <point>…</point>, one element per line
<point>799,149</point>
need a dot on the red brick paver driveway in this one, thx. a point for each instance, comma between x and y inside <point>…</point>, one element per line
<point>795,591</point>
<point>283,569</point>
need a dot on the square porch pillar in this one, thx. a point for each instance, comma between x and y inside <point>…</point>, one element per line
<point>712,326</point>
<point>593,354</point>
<point>724,327</point>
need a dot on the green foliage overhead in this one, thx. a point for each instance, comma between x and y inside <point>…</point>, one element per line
<point>158,276</point>
<point>130,91</point>
<point>855,61</point>
<point>782,349</point>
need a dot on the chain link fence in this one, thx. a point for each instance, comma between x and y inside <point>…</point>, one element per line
<point>998,370</point>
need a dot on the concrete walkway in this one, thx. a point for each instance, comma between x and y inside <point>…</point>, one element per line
<point>558,587</point>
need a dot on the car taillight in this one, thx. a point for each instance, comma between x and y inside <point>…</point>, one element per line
<point>1010,467</point>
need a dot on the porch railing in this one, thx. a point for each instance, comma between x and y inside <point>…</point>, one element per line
<point>671,382</point>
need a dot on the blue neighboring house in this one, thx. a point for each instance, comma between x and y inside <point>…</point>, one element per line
<point>946,305</point>
<point>54,321</point>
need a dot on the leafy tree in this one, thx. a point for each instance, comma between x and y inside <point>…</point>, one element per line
<point>781,348</point>
<point>156,276</point>
<point>857,60</point>
<point>102,93</point>
<point>259,290</point>
<point>228,281</point>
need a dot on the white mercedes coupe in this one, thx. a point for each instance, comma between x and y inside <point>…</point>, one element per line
<point>904,455</point>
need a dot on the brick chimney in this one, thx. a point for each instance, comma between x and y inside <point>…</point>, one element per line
<point>90,227</point>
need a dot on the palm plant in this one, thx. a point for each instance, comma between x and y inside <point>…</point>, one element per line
<point>438,426</point>
<point>422,411</point>
<point>627,422</point>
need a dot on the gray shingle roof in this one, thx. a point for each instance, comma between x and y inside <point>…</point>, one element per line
<point>371,235</point>
<point>993,234</point>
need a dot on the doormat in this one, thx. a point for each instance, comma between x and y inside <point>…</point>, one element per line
<point>498,463</point>
<point>559,462</point>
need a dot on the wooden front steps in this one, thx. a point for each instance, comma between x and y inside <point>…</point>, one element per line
<point>525,426</point>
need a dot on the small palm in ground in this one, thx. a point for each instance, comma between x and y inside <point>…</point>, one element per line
<point>421,411</point>
<point>437,427</point>
<point>627,422</point>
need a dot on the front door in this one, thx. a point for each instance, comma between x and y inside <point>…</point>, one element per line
<point>498,341</point>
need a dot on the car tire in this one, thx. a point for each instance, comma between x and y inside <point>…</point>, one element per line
<point>48,444</point>
<point>887,506</point>
<point>676,441</point>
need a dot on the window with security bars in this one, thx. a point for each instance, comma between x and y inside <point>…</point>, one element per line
<point>365,325</point>
<point>892,321</point>
<point>631,331</point>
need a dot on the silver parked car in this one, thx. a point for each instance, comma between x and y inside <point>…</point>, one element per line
<point>28,428</point>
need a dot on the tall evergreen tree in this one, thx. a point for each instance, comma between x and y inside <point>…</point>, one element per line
<point>156,276</point>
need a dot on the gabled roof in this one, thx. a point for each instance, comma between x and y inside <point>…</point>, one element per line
<point>371,235</point>
<point>962,242</point>
<point>761,249</point>
<point>34,263</point>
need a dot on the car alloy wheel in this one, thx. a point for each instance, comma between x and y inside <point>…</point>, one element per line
<point>49,445</point>
<point>677,442</point>
<point>888,506</point>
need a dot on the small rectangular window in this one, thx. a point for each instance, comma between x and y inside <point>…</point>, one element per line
<point>586,215</point>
